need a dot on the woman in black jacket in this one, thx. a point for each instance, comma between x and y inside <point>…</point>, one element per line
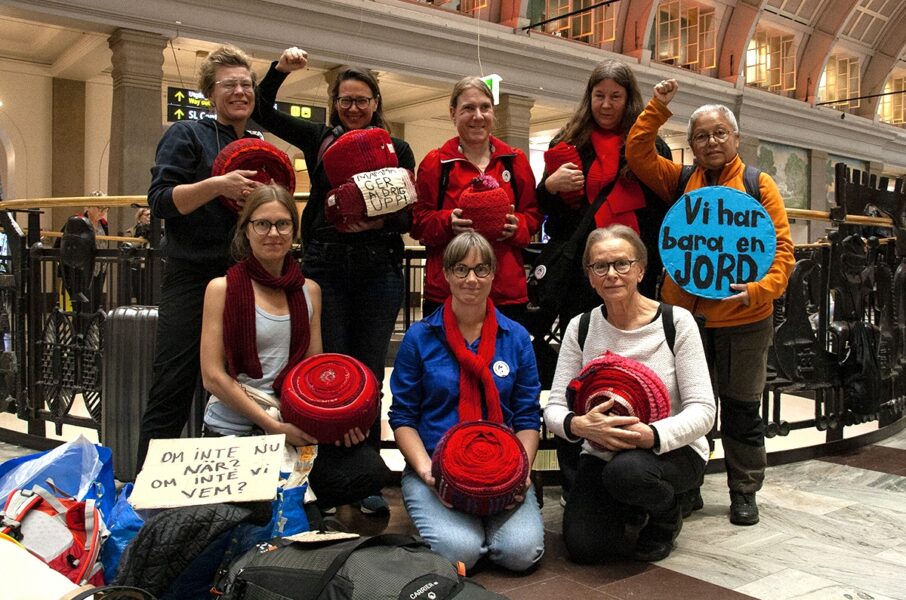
<point>360,272</point>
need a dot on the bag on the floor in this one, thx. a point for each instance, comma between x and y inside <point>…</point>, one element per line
<point>66,534</point>
<point>384,567</point>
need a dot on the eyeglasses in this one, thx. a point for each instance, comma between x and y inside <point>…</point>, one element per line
<point>481,270</point>
<point>263,226</point>
<point>346,102</point>
<point>621,266</point>
<point>720,136</point>
<point>231,85</point>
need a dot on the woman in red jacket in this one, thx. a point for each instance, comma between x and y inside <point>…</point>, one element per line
<point>447,172</point>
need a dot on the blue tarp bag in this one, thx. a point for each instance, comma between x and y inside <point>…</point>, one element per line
<point>78,469</point>
<point>123,524</point>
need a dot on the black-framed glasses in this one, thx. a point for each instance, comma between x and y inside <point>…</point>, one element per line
<point>720,136</point>
<point>230,85</point>
<point>481,270</point>
<point>361,102</point>
<point>263,226</point>
<point>621,266</point>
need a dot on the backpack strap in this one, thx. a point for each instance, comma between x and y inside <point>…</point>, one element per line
<point>584,320</point>
<point>386,539</point>
<point>684,177</point>
<point>669,325</point>
<point>507,160</point>
<point>445,168</point>
<point>750,179</point>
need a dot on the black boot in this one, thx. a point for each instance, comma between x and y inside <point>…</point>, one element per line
<point>656,538</point>
<point>743,509</point>
<point>691,501</point>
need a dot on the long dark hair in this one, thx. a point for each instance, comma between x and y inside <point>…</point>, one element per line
<point>579,127</point>
<point>365,76</point>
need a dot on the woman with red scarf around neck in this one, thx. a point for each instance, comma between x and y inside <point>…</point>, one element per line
<point>259,321</point>
<point>598,130</point>
<point>436,220</point>
<point>447,363</point>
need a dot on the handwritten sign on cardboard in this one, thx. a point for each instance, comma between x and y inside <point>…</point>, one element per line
<point>715,236</point>
<point>194,471</point>
<point>385,191</point>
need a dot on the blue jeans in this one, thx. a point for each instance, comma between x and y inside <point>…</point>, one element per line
<point>513,539</point>
<point>361,292</point>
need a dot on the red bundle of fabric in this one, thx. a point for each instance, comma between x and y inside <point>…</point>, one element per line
<point>636,390</point>
<point>326,395</point>
<point>358,151</point>
<point>556,157</point>
<point>486,204</point>
<point>253,154</point>
<point>370,195</point>
<point>479,467</point>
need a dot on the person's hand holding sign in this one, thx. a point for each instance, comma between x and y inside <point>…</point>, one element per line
<point>742,296</point>
<point>666,90</point>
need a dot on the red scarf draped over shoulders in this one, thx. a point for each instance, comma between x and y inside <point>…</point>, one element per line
<point>239,331</point>
<point>626,196</point>
<point>475,378</point>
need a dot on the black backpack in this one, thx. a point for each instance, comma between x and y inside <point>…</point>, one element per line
<point>383,567</point>
<point>750,179</point>
<point>666,321</point>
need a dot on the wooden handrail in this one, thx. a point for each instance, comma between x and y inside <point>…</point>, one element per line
<point>82,201</point>
<point>820,215</point>
<point>122,239</point>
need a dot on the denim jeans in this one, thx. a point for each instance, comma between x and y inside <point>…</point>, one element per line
<point>361,296</point>
<point>513,539</point>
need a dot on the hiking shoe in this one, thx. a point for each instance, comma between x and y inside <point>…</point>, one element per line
<point>743,509</point>
<point>691,501</point>
<point>374,505</point>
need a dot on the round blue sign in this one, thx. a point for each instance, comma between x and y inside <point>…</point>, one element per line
<point>715,236</point>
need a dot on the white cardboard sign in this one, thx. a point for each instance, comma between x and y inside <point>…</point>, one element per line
<point>195,471</point>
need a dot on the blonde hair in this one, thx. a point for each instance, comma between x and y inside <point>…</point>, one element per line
<point>224,56</point>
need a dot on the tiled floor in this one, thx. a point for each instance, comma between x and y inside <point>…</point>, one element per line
<point>831,529</point>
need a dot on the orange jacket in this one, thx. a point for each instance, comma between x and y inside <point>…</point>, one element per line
<point>662,176</point>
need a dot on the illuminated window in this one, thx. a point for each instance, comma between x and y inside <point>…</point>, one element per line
<point>771,62</point>
<point>472,7</point>
<point>595,27</point>
<point>892,108</point>
<point>840,81</point>
<point>685,36</point>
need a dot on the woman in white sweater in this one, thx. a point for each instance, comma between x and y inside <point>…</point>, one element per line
<point>642,468</point>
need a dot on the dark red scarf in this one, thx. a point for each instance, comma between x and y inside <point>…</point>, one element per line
<point>239,343</point>
<point>475,374</point>
<point>626,196</point>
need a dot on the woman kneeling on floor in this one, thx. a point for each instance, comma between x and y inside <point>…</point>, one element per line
<point>465,359</point>
<point>629,469</point>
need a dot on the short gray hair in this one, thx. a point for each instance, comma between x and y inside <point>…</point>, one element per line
<point>619,232</point>
<point>720,108</point>
<point>460,246</point>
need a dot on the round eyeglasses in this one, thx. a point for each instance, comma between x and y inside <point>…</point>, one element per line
<point>481,270</point>
<point>263,226</point>
<point>361,102</point>
<point>621,266</point>
<point>720,136</point>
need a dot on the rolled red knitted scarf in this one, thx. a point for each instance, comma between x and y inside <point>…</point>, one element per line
<point>479,467</point>
<point>239,343</point>
<point>556,157</point>
<point>475,374</point>
<point>637,391</point>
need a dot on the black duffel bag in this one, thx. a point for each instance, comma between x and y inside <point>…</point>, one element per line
<point>383,567</point>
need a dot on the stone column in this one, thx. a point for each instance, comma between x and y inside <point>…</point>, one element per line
<point>136,121</point>
<point>68,146</point>
<point>514,117</point>
<point>819,191</point>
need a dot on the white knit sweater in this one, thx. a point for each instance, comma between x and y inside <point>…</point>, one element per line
<point>685,374</point>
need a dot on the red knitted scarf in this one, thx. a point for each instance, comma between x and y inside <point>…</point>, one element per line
<point>239,341</point>
<point>626,196</point>
<point>475,378</point>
